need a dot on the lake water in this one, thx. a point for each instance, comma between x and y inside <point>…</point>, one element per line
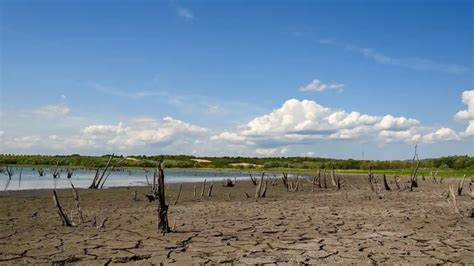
<point>82,178</point>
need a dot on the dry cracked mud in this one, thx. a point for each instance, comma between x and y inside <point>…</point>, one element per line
<point>351,225</point>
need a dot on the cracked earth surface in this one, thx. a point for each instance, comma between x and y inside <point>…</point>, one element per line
<point>351,225</point>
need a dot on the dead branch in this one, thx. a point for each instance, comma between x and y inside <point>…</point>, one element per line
<point>453,204</point>
<point>70,172</point>
<point>78,204</point>
<point>284,178</point>
<point>325,182</point>
<point>339,182</point>
<point>40,172</point>
<point>55,172</point>
<point>203,188</point>
<point>261,187</point>
<point>111,170</point>
<point>64,219</point>
<point>135,195</point>
<point>179,194</point>
<point>19,178</point>
<point>385,184</point>
<point>397,180</point>
<point>209,192</point>
<point>333,178</point>
<point>253,179</point>
<point>413,176</point>
<point>102,224</point>
<point>461,185</point>
<point>98,177</point>
<point>371,179</point>
<point>264,190</point>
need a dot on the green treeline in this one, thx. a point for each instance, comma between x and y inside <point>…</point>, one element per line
<point>185,161</point>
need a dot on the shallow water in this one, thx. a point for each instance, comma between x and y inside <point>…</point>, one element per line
<point>82,178</point>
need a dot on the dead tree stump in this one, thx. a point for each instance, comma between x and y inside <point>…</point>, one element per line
<point>159,192</point>
<point>385,184</point>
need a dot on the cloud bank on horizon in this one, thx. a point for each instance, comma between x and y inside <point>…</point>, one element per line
<point>296,122</point>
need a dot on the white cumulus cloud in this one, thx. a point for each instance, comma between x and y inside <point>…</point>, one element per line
<point>317,86</point>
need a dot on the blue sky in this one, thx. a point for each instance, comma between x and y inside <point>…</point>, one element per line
<point>254,78</point>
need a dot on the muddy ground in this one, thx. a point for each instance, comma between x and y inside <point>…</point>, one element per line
<point>351,225</point>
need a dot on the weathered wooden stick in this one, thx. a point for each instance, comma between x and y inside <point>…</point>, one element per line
<point>413,182</point>
<point>325,183</point>
<point>19,178</point>
<point>135,195</point>
<point>194,190</point>
<point>64,219</point>
<point>203,188</point>
<point>284,178</point>
<point>264,190</point>
<point>253,179</point>
<point>385,183</point>
<point>78,204</point>
<point>102,224</point>
<point>209,192</point>
<point>333,177</point>
<point>179,194</point>
<point>453,196</point>
<point>319,179</point>
<point>395,178</point>
<point>258,190</point>
<point>461,185</point>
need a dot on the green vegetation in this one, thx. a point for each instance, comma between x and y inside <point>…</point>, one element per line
<point>447,166</point>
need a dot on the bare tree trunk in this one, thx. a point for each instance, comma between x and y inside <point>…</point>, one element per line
<point>162,211</point>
